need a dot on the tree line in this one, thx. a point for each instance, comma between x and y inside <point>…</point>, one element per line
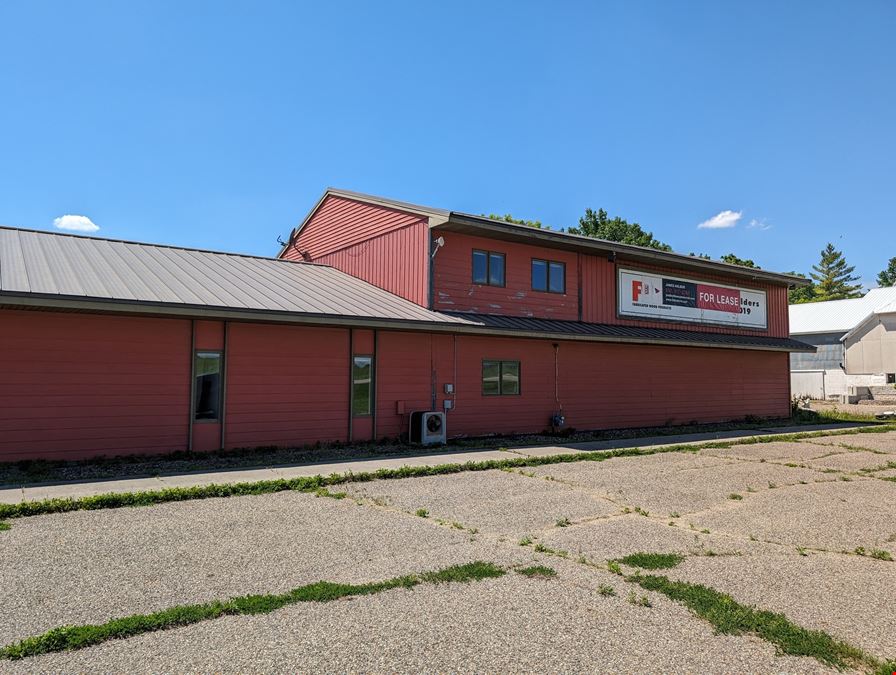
<point>831,279</point>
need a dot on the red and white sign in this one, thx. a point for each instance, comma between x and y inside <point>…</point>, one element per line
<point>651,296</point>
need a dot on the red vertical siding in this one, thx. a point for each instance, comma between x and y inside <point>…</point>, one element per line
<point>599,298</point>
<point>382,246</point>
<point>75,385</point>
<point>454,290</point>
<point>286,385</point>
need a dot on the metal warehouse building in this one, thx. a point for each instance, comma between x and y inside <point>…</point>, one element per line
<point>856,346</point>
<point>374,309</point>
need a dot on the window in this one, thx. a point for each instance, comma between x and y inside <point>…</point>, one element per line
<point>891,378</point>
<point>500,378</point>
<point>207,387</point>
<point>488,268</point>
<point>548,276</point>
<point>362,385</point>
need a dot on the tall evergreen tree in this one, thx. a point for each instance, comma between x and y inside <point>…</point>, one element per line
<point>834,278</point>
<point>599,225</point>
<point>888,276</point>
<point>801,294</point>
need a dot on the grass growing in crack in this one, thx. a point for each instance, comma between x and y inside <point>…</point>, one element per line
<point>614,567</point>
<point>606,590</point>
<point>563,522</point>
<point>652,561</point>
<point>639,601</point>
<point>311,483</point>
<point>537,571</point>
<point>526,541</point>
<point>730,617</point>
<point>77,637</point>
<point>735,496</point>
<point>324,492</point>
<point>876,553</point>
<point>423,513</point>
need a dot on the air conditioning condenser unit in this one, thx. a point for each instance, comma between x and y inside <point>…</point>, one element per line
<point>428,427</point>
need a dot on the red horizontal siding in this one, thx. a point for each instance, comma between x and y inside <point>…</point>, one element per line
<point>75,385</point>
<point>454,290</point>
<point>383,246</point>
<point>599,298</point>
<point>286,385</point>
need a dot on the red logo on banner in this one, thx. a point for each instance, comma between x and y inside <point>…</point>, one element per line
<point>719,299</point>
<point>637,287</point>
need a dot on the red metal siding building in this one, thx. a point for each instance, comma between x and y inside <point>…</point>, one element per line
<point>118,348</point>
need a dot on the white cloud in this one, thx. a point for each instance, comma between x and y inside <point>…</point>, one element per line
<point>721,220</point>
<point>759,224</point>
<point>75,223</point>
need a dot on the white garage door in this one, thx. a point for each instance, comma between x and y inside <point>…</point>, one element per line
<point>807,383</point>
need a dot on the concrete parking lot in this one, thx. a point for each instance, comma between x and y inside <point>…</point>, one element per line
<point>805,528</point>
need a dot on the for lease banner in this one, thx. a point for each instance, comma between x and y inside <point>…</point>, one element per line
<point>652,296</point>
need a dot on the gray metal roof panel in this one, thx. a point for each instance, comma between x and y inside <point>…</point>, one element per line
<point>75,266</point>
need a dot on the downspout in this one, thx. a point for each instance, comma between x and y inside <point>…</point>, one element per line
<point>374,368</point>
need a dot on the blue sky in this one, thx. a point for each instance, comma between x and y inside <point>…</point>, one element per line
<point>218,124</point>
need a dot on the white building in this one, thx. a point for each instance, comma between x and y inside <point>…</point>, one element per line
<point>856,341</point>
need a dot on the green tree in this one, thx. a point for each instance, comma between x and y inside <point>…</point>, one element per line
<point>888,276</point>
<point>507,218</point>
<point>702,256</point>
<point>834,278</point>
<point>800,294</point>
<point>732,259</point>
<point>600,226</point>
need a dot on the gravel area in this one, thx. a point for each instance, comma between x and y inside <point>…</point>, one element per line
<point>856,460</point>
<point>511,624</point>
<point>838,515</point>
<point>90,566</point>
<point>675,482</point>
<point>885,442</point>
<point>604,540</point>
<point>498,502</point>
<point>777,451</point>
<point>842,595</point>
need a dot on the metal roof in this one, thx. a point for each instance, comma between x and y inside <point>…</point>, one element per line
<point>49,270</point>
<point>456,221</point>
<point>79,267</point>
<point>616,333</point>
<point>837,316</point>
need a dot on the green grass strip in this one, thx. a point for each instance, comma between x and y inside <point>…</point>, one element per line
<point>4,527</point>
<point>729,616</point>
<point>315,483</point>
<point>66,638</point>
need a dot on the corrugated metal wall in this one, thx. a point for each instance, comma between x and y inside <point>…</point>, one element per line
<point>384,247</point>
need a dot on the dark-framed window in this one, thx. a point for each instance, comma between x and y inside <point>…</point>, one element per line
<point>548,276</point>
<point>208,385</point>
<point>488,268</point>
<point>500,378</point>
<point>362,385</point>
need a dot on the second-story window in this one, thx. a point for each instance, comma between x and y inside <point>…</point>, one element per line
<point>488,268</point>
<point>549,276</point>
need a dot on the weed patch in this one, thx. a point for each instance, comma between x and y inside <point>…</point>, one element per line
<point>652,561</point>
<point>77,637</point>
<point>423,513</point>
<point>606,590</point>
<point>4,527</point>
<point>538,571</point>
